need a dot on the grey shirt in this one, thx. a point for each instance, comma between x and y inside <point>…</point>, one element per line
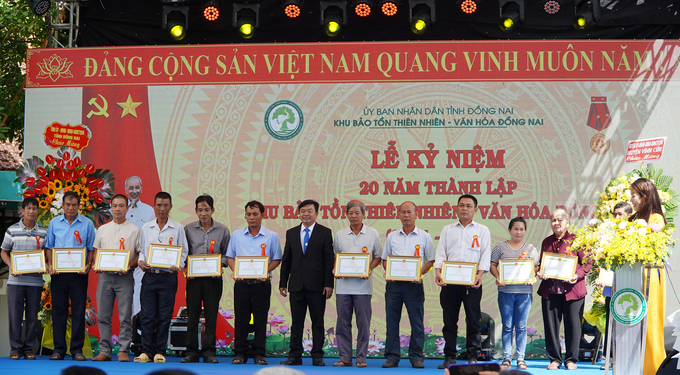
<point>345,241</point>
<point>199,239</point>
<point>19,238</point>
<point>504,251</point>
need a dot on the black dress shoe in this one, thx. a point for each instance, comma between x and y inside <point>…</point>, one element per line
<point>318,362</point>
<point>389,364</point>
<point>292,362</point>
<point>447,362</point>
<point>418,364</point>
<point>210,359</point>
<point>189,359</point>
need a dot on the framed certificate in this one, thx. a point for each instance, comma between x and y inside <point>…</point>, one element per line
<point>460,273</point>
<point>28,262</point>
<point>607,277</point>
<point>352,264</point>
<point>403,268</point>
<point>251,267</point>
<point>204,265</point>
<point>164,256</point>
<point>558,266</point>
<point>111,260</point>
<point>516,271</point>
<point>69,259</point>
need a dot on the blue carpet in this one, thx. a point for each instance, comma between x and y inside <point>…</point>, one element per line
<point>44,366</point>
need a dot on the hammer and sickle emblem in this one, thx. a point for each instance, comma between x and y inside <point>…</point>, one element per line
<point>101,109</point>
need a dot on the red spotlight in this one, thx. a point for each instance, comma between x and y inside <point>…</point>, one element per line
<point>211,10</point>
<point>551,7</point>
<point>292,8</point>
<point>389,8</point>
<point>362,9</point>
<point>468,6</point>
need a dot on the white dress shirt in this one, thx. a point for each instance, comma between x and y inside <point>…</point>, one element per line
<point>464,244</point>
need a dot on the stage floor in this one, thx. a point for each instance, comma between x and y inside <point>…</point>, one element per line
<point>44,366</point>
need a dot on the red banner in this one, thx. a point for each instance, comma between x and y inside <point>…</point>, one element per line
<point>645,149</point>
<point>437,61</point>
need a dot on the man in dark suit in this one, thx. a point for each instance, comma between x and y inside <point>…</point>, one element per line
<point>307,272</point>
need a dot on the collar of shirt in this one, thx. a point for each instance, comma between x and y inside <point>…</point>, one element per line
<point>63,218</point>
<point>351,232</point>
<point>472,223</point>
<point>169,224</point>
<point>24,227</point>
<point>212,225</point>
<point>401,231</point>
<point>246,232</point>
<point>311,229</point>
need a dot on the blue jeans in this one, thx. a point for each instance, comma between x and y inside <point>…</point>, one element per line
<point>515,309</point>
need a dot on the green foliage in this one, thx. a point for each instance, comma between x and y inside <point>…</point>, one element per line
<point>19,30</point>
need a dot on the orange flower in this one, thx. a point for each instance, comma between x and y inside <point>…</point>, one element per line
<point>83,180</point>
<point>89,207</point>
<point>66,189</point>
<point>88,304</point>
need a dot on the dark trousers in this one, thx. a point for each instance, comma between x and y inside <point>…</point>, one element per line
<point>158,299</point>
<point>20,299</point>
<point>251,299</point>
<point>208,291</point>
<point>450,298</point>
<point>554,309</point>
<point>397,294</point>
<point>607,301</point>
<point>67,286</point>
<point>299,302</point>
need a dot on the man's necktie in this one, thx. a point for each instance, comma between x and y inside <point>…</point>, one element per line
<point>304,246</point>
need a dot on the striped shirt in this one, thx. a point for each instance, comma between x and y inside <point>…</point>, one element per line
<point>19,238</point>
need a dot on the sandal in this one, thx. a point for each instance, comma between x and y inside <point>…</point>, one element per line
<point>238,361</point>
<point>362,364</point>
<point>571,366</point>
<point>56,357</point>
<point>15,356</point>
<point>521,365</point>
<point>506,364</point>
<point>29,355</point>
<point>260,360</point>
<point>554,366</point>
<point>342,363</point>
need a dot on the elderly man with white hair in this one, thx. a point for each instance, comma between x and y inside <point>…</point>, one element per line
<point>562,300</point>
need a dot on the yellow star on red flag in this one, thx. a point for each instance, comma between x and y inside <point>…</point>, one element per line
<point>129,107</point>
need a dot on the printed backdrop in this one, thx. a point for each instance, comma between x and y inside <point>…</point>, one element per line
<point>526,127</point>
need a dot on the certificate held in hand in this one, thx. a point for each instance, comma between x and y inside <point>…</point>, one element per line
<point>459,273</point>
<point>111,260</point>
<point>559,266</point>
<point>352,264</point>
<point>516,271</point>
<point>251,267</point>
<point>400,268</point>
<point>164,256</point>
<point>68,259</point>
<point>28,262</point>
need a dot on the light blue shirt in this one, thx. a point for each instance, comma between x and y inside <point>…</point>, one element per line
<point>62,234</point>
<point>400,244</point>
<point>243,244</point>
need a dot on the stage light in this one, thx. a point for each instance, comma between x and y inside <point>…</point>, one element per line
<point>175,16</point>
<point>421,15</point>
<point>333,16</point>
<point>512,14</point>
<point>39,7</point>
<point>587,14</point>
<point>211,10</point>
<point>292,8</point>
<point>552,6</point>
<point>469,6</point>
<point>362,8</point>
<point>389,7</point>
<point>246,18</point>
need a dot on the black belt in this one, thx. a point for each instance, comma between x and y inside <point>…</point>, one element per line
<point>254,281</point>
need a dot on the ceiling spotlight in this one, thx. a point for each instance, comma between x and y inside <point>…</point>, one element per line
<point>362,8</point>
<point>552,6</point>
<point>246,18</point>
<point>587,14</point>
<point>469,6</point>
<point>333,16</point>
<point>512,14</point>
<point>175,19</point>
<point>421,15</point>
<point>389,7</point>
<point>211,10</point>
<point>39,7</point>
<point>292,8</point>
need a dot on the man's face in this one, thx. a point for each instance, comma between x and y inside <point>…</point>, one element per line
<point>620,213</point>
<point>204,212</point>
<point>253,217</point>
<point>70,206</point>
<point>355,216</point>
<point>407,214</point>
<point>308,215</point>
<point>133,188</point>
<point>162,208</point>
<point>466,209</point>
<point>119,208</point>
<point>30,212</point>
<point>559,223</point>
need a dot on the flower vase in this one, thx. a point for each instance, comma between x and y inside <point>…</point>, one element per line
<point>628,339</point>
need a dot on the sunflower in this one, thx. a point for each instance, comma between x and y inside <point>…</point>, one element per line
<point>47,306</point>
<point>58,185</point>
<point>43,204</point>
<point>50,191</point>
<point>68,184</point>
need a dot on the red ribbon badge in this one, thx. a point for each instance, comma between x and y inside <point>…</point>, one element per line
<point>212,246</point>
<point>170,241</point>
<point>37,238</point>
<point>475,241</point>
<point>569,252</point>
<point>417,254</point>
<point>122,244</point>
<point>364,249</point>
<point>263,248</point>
<point>77,236</point>
<point>521,256</point>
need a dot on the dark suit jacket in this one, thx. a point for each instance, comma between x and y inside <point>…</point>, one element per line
<point>312,270</point>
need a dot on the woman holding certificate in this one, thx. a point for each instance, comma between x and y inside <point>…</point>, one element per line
<point>647,204</point>
<point>513,263</point>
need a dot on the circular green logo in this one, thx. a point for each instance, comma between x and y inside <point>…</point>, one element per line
<point>284,120</point>
<point>628,306</point>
